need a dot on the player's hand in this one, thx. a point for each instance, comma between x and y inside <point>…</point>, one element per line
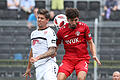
<point>27,73</point>
<point>97,60</point>
<point>32,59</point>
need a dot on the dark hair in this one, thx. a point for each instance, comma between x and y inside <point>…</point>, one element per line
<point>44,12</point>
<point>72,13</point>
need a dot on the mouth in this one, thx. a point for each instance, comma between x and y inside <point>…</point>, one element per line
<point>39,24</point>
<point>73,26</point>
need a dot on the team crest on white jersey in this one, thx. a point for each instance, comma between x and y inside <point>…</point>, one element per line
<point>77,33</point>
<point>34,42</point>
<point>45,32</point>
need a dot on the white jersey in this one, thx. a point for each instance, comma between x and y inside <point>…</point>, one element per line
<point>41,40</point>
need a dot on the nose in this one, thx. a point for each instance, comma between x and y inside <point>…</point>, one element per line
<point>39,19</point>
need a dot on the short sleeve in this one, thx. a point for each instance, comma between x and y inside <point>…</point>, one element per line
<point>51,38</point>
<point>87,33</point>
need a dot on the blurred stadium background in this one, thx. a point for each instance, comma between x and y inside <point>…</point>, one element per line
<point>15,39</point>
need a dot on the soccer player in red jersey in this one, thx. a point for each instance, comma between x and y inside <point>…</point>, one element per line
<point>75,36</point>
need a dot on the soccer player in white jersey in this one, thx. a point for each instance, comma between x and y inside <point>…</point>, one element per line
<point>43,48</point>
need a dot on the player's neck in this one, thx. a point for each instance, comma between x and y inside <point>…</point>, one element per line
<point>42,28</point>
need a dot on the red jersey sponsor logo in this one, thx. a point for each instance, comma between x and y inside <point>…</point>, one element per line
<point>72,41</point>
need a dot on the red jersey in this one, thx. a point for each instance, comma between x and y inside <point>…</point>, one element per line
<point>75,41</point>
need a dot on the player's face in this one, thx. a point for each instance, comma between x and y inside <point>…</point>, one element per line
<point>41,20</point>
<point>73,22</point>
<point>116,76</point>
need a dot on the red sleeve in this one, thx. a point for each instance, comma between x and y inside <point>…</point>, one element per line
<point>59,37</point>
<point>87,33</point>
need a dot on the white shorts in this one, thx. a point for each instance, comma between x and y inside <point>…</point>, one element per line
<point>47,71</point>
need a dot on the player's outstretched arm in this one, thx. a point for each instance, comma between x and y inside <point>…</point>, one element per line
<point>93,51</point>
<point>49,53</point>
<point>27,73</point>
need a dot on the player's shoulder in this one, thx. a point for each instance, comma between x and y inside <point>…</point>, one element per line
<point>82,24</point>
<point>50,29</point>
<point>34,31</point>
<point>64,27</point>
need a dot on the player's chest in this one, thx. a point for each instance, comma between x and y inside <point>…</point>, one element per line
<point>71,34</point>
<point>38,39</point>
<point>73,37</point>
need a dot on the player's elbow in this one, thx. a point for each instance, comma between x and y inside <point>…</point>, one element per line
<point>52,50</point>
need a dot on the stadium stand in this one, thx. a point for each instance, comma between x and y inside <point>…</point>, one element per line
<point>10,14</point>
<point>3,4</point>
<point>40,4</point>
<point>68,4</point>
<point>83,15</point>
<point>84,5</point>
<point>88,10</point>
<point>94,5</point>
<point>94,10</point>
<point>115,15</point>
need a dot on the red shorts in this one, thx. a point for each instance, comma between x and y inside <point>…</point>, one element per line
<point>68,66</point>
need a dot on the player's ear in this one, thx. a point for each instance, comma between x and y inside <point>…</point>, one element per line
<point>47,20</point>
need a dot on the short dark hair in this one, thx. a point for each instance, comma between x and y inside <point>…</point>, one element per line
<point>72,13</point>
<point>44,12</point>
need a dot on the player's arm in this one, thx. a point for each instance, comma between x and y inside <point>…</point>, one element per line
<point>29,65</point>
<point>55,53</point>
<point>51,51</point>
<point>93,51</point>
